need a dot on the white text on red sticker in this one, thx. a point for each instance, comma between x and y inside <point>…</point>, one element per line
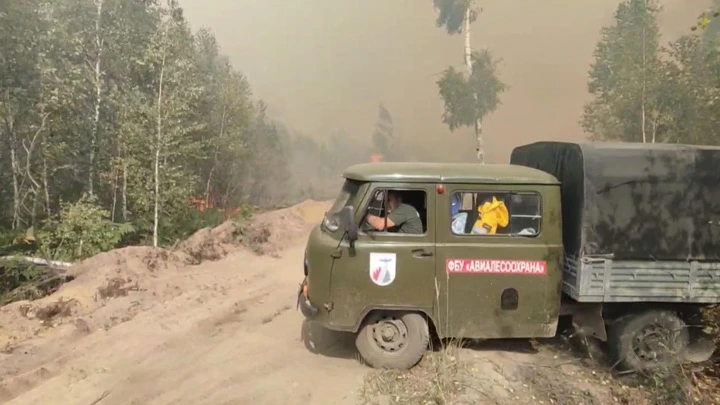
<point>493,266</point>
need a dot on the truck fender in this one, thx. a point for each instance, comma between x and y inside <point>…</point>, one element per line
<point>368,310</point>
<point>587,318</point>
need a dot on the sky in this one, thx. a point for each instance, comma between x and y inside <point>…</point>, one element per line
<point>326,65</point>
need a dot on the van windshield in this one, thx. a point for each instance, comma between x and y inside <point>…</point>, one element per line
<point>346,197</point>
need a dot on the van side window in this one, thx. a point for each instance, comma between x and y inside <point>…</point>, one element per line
<point>503,213</point>
<point>409,213</point>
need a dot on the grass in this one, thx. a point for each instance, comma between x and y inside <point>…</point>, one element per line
<point>689,384</point>
<point>439,379</point>
<point>444,378</point>
<point>692,384</point>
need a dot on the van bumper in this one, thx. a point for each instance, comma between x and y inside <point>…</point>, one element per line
<point>308,310</point>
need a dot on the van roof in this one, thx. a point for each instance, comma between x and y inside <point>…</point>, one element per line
<point>420,172</point>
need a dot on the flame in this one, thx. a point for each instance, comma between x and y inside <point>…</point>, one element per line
<point>202,204</point>
<point>377,158</point>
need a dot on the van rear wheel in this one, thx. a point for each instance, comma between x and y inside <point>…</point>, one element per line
<point>648,340</point>
<point>395,340</point>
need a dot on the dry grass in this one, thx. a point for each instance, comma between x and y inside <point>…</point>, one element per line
<point>687,384</point>
<point>438,379</point>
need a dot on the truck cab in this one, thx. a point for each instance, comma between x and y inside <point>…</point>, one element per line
<point>458,277</point>
<point>622,238</point>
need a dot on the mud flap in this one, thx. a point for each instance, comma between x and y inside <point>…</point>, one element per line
<point>700,349</point>
<point>588,320</point>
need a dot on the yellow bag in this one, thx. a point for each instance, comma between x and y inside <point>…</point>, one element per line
<point>492,215</point>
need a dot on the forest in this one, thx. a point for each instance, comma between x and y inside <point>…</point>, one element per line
<point>647,91</point>
<point>121,125</point>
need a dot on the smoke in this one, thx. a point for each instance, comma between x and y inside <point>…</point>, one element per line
<point>324,65</point>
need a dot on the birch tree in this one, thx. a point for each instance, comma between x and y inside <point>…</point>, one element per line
<point>626,78</point>
<point>117,107</point>
<point>177,93</point>
<point>468,97</point>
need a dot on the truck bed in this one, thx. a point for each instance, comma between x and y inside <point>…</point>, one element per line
<point>605,280</point>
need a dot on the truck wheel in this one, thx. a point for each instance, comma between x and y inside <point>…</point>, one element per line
<point>648,340</point>
<point>395,340</point>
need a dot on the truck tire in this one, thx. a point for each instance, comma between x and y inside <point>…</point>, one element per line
<point>393,340</point>
<point>647,340</point>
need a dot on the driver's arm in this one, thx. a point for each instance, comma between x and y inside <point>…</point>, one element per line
<point>379,222</point>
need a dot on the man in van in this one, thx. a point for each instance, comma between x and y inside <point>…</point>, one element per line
<point>404,217</point>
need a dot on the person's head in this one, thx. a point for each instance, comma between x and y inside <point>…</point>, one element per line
<point>394,199</point>
<point>455,204</point>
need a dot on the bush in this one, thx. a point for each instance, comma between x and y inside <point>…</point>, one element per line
<point>80,230</point>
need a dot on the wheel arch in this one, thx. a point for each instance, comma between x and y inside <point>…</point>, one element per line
<point>367,312</point>
<point>688,312</point>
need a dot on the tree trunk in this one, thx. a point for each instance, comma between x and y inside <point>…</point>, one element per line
<point>158,145</point>
<point>115,193</point>
<point>480,146</point>
<point>15,181</point>
<point>12,143</point>
<point>46,182</point>
<point>98,95</point>
<point>642,96</point>
<point>33,214</point>
<point>123,168</point>
<point>29,149</point>
<point>215,158</point>
<point>124,192</point>
<point>468,48</point>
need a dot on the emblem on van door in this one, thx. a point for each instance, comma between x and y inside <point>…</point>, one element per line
<point>382,268</point>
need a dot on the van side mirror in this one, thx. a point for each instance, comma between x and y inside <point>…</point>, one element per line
<point>347,220</point>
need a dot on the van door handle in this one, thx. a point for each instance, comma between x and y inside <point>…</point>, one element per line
<point>422,253</point>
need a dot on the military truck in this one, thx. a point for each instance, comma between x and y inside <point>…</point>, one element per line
<point>622,238</point>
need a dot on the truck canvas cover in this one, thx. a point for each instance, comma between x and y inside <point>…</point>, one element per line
<point>633,201</point>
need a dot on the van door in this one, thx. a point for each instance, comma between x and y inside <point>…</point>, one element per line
<point>385,269</point>
<point>497,279</point>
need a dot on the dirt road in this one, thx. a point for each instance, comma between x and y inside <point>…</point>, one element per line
<point>223,332</point>
<point>235,345</point>
<point>141,327</point>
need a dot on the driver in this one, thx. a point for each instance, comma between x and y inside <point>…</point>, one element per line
<point>403,216</point>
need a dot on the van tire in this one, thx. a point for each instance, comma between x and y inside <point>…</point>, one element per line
<point>628,340</point>
<point>410,336</point>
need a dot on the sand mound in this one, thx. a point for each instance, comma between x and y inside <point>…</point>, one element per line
<point>211,243</point>
<point>98,282</point>
<point>112,287</point>
<point>312,211</point>
<point>266,233</point>
<point>289,224</point>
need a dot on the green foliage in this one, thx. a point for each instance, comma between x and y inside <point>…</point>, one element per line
<point>81,230</point>
<point>708,19</point>
<point>97,94</point>
<point>451,14</point>
<point>470,99</point>
<point>692,69</point>
<point>626,78</point>
<point>645,93</point>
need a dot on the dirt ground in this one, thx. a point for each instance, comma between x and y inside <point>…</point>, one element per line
<point>143,327</point>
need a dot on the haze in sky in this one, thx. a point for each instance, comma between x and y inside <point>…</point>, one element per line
<point>325,65</point>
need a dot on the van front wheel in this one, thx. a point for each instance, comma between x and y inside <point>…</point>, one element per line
<point>395,340</point>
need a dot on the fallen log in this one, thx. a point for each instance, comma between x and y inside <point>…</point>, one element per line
<point>37,260</point>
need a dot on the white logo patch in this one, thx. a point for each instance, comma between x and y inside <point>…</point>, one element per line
<point>382,268</point>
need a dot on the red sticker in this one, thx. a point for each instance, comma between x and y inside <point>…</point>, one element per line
<point>490,266</point>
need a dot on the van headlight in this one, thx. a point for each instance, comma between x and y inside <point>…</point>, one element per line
<point>331,223</point>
